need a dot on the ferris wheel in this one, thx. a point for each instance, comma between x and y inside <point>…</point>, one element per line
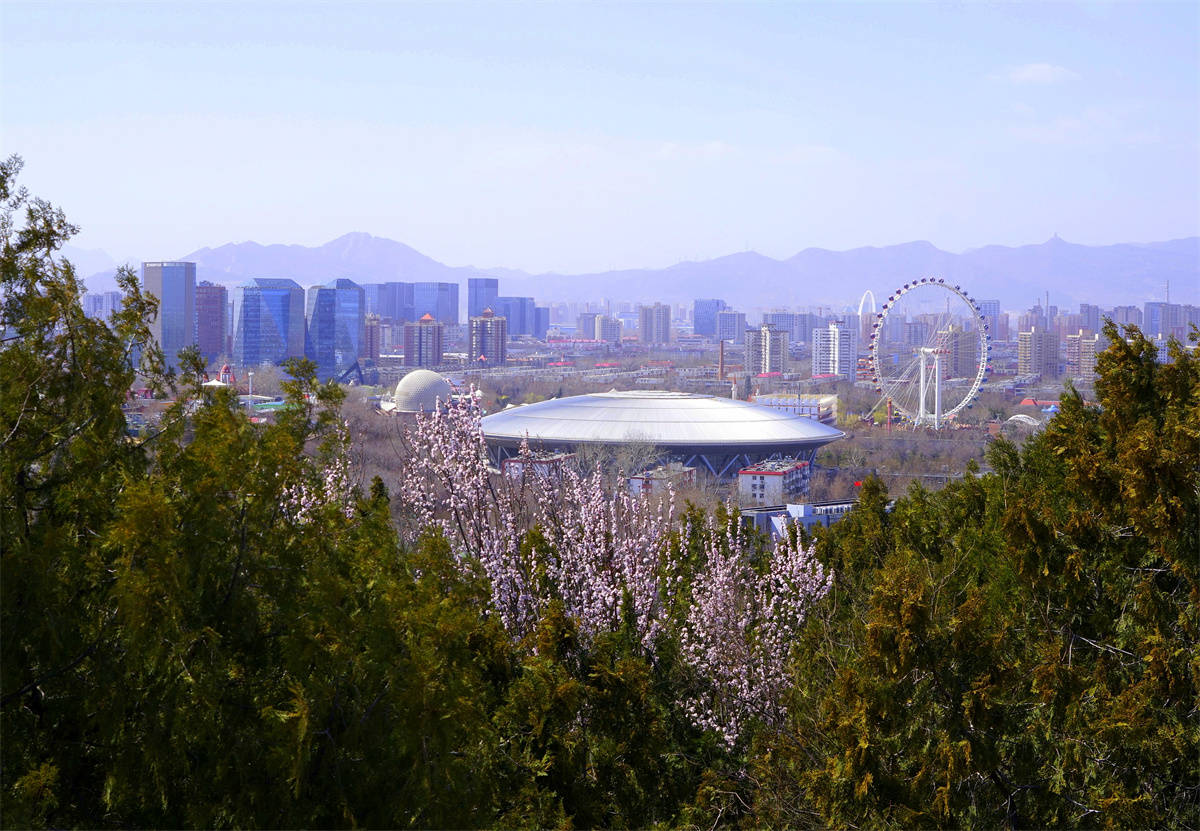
<point>930,351</point>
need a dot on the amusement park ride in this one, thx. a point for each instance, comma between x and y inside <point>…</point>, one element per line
<point>910,372</point>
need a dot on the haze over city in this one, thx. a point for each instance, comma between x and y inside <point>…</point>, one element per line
<point>576,138</point>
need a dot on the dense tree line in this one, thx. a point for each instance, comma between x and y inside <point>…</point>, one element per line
<point>211,625</point>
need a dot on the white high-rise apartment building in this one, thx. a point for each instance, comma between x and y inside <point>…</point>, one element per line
<point>766,350</point>
<point>655,324</point>
<point>607,329</point>
<point>1081,355</point>
<point>835,351</point>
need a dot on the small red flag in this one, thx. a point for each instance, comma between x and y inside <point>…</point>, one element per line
<point>858,484</point>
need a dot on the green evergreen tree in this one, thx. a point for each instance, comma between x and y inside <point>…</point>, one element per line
<point>1018,648</point>
<point>213,627</point>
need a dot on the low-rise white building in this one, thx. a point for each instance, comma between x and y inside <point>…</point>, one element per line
<point>776,519</point>
<point>822,408</point>
<point>773,482</point>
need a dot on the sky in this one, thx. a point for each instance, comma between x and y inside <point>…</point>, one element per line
<point>583,137</point>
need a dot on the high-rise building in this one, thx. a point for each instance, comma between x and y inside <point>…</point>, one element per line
<point>961,350</point>
<point>1168,319</point>
<point>782,320</point>
<point>371,295</point>
<point>102,305</point>
<point>607,329</point>
<point>541,321</point>
<point>1034,318</point>
<point>1066,324</point>
<point>915,332</point>
<point>336,320</point>
<point>518,311</point>
<point>1090,317</point>
<point>488,339</point>
<point>1154,318</point>
<point>585,324</point>
<point>1081,354</point>
<point>804,324</point>
<point>1000,331</point>
<point>373,336</point>
<point>655,323</point>
<point>481,294</point>
<point>423,342</point>
<point>1037,353</point>
<point>393,301</point>
<point>766,350</point>
<point>704,316</point>
<point>405,303</point>
<point>437,299</point>
<point>212,313</point>
<point>990,311</point>
<point>268,318</point>
<point>1127,315</point>
<point>174,327</point>
<point>1162,346</point>
<point>731,326</point>
<point>834,351</point>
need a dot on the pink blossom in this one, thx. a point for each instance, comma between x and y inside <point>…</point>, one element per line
<point>567,538</point>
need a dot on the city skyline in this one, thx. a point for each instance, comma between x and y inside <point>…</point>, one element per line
<point>1118,274</point>
<point>577,139</point>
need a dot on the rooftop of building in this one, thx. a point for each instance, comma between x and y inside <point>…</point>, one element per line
<point>798,397</point>
<point>775,466</point>
<point>667,471</point>
<point>794,506</point>
<point>656,417</point>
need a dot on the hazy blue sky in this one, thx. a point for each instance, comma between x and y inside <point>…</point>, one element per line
<point>581,137</point>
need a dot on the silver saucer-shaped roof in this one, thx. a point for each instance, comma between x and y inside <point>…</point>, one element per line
<point>681,424</point>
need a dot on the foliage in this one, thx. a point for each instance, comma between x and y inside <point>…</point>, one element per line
<point>550,541</point>
<point>1017,649</point>
<point>215,628</point>
<point>214,625</point>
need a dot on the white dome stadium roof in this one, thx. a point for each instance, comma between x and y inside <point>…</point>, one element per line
<point>420,390</point>
<point>663,419</point>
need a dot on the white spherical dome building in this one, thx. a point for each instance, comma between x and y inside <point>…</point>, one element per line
<point>419,392</point>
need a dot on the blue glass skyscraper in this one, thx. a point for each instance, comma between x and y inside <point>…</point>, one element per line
<point>520,314</point>
<point>704,316</point>
<point>268,319</point>
<point>174,284</point>
<point>481,294</point>
<point>336,326</point>
<point>437,299</point>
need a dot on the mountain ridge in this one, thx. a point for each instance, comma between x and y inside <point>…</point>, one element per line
<point>1112,274</point>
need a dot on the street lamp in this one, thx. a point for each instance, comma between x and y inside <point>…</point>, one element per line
<point>250,397</point>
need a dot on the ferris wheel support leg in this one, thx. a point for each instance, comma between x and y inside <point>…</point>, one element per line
<point>921,399</point>
<point>937,392</point>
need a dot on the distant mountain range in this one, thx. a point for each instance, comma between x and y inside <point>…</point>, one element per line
<point>1018,277</point>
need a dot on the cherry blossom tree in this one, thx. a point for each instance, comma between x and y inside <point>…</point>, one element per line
<point>549,535</point>
<point>740,627</point>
